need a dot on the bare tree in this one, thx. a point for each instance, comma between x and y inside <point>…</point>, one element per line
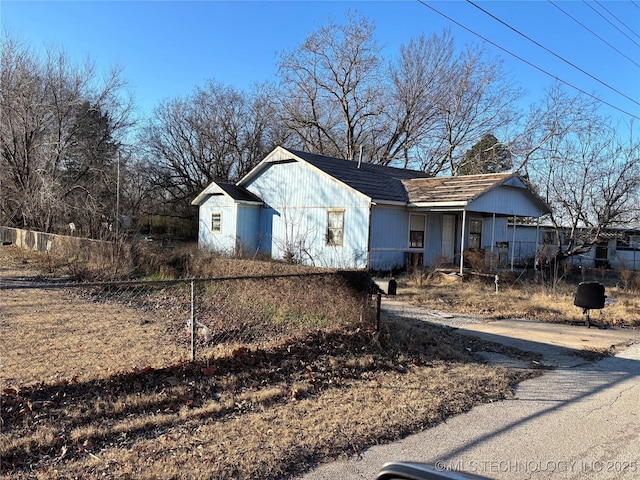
<point>444,102</point>
<point>421,110</point>
<point>332,91</point>
<point>480,100</point>
<point>216,133</point>
<point>411,117</point>
<point>585,171</point>
<point>42,124</point>
<point>552,118</point>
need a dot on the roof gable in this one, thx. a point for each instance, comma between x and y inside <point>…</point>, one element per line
<point>382,184</point>
<point>234,192</point>
<point>378,182</point>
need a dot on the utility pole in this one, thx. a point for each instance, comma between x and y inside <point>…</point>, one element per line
<point>118,197</point>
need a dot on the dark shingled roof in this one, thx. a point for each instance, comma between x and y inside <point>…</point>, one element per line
<point>238,193</point>
<point>377,182</point>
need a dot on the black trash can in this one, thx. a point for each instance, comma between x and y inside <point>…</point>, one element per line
<point>392,287</point>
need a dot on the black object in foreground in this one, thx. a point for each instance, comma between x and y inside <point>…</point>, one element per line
<point>588,296</point>
<point>420,471</point>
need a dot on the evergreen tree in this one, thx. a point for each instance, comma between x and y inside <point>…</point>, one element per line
<point>90,169</point>
<point>486,156</point>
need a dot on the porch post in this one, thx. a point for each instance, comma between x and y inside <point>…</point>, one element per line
<point>464,221</point>
<point>513,242</point>
<point>535,256</point>
<point>493,232</point>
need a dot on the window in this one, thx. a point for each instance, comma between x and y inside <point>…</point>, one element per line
<point>475,233</point>
<point>416,231</point>
<point>548,238</point>
<point>216,222</point>
<point>628,242</point>
<point>335,227</point>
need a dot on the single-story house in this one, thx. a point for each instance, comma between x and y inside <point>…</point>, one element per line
<point>338,213</point>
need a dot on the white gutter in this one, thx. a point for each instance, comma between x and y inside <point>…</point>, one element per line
<point>375,201</point>
<point>441,206</point>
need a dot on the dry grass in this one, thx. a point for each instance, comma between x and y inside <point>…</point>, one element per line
<point>259,414</point>
<point>242,433</point>
<point>517,300</point>
<point>70,409</point>
<point>47,335</point>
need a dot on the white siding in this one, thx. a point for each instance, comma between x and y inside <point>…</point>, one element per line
<point>224,241</point>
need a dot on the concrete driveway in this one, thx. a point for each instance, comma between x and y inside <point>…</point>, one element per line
<point>580,420</point>
<point>560,345</point>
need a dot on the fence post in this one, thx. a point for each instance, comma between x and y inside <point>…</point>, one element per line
<point>193,321</point>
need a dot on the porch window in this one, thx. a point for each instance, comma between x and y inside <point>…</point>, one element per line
<point>628,242</point>
<point>548,238</point>
<point>475,234</point>
<point>335,227</point>
<point>416,231</point>
<point>216,222</point>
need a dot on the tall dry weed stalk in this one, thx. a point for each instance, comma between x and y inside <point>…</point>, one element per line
<point>476,260</point>
<point>630,280</point>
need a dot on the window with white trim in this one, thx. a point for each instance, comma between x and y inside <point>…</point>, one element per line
<point>417,225</point>
<point>335,228</point>
<point>216,222</point>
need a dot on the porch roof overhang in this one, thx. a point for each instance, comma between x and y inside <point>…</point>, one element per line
<point>440,206</point>
<point>476,193</point>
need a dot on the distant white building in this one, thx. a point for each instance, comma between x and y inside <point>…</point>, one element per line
<point>618,249</point>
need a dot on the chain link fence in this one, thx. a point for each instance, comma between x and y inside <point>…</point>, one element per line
<point>70,331</point>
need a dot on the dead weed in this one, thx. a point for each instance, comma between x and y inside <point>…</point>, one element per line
<point>528,300</point>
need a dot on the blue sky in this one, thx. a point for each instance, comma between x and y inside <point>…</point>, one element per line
<point>167,48</point>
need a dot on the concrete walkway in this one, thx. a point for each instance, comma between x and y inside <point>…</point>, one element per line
<point>579,420</point>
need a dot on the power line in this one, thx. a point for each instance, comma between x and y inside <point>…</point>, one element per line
<point>611,23</point>
<point>594,33</point>
<point>619,21</point>
<point>553,53</point>
<point>423,2</point>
